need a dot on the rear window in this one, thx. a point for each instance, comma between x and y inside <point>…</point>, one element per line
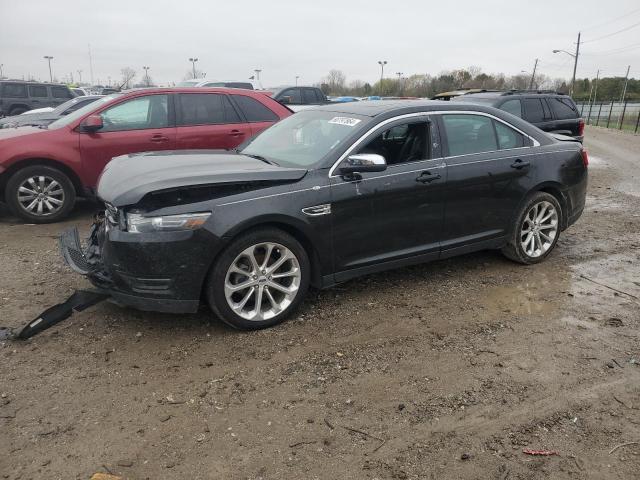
<point>514,107</point>
<point>253,110</point>
<point>563,108</point>
<point>61,92</point>
<point>38,91</point>
<point>205,109</point>
<point>310,96</point>
<point>535,111</point>
<point>14,90</point>
<point>294,94</point>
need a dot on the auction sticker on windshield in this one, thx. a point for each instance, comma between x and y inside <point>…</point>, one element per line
<point>349,122</point>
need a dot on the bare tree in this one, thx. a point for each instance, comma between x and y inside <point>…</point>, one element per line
<point>128,74</point>
<point>335,81</point>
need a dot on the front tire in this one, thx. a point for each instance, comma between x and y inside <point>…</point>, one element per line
<point>536,230</point>
<point>259,280</point>
<point>40,194</point>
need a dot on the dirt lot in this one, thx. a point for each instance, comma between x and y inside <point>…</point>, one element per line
<point>447,370</point>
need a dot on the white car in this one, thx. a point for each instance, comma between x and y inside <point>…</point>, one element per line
<point>203,82</point>
<point>38,110</point>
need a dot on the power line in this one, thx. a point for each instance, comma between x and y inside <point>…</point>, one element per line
<point>598,25</point>
<point>615,50</point>
<point>612,34</point>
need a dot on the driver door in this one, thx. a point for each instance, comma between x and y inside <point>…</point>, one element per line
<point>392,217</point>
<point>139,124</point>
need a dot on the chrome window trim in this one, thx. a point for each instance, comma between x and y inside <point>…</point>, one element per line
<point>427,114</point>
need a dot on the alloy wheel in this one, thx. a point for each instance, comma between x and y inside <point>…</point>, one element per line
<point>539,229</point>
<point>41,195</point>
<point>262,281</point>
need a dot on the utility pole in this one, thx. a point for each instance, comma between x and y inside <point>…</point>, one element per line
<point>90,65</point>
<point>533,75</point>
<point>595,89</point>
<point>382,63</point>
<point>399,82</point>
<point>297,77</point>
<point>146,75</point>
<point>257,72</point>
<point>1,65</point>
<point>624,90</point>
<point>575,65</point>
<point>48,58</point>
<point>79,76</point>
<point>193,61</point>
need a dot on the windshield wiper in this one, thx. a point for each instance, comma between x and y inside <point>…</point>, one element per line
<point>261,158</point>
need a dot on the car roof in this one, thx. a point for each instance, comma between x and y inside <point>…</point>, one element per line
<point>507,94</point>
<point>372,109</point>
<point>144,91</point>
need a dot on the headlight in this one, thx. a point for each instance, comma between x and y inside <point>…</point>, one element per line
<point>137,223</point>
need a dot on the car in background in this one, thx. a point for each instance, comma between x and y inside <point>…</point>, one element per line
<point>43,170</point>
<point>18,96</point>
<point>324,196</point>
<point>45,116</point>
<point>298,98</point>
<point>199,82</point>
<point>457,93</point>
<point>550,111</point>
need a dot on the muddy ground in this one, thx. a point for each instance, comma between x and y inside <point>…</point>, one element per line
<point>444,371</point>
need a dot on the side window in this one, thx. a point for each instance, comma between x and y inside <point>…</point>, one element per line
<point>514,107</point>
<point>563,108</point>
<point>76,106</point>
<point>294,95</point>
<point>403,143</point>
<point>205,109</point>
<point>61,92</point>
<point>508,137</point>
<point>137,114</point>
<point>310,96</point>
<point>253,110</point>
<point>13,90</point>
<point>534,111</point>
<point>39,91</point>
<point>469,134</point>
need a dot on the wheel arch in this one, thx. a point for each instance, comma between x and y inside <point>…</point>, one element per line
<point>555,189</point>
<point>30,162</point>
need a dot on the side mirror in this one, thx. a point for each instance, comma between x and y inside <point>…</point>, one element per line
<point>92,123</point>
<point>363,162</point>
<point>285,100</point>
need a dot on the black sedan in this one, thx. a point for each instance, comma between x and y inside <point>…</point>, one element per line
<point>45,118</point>
<point>323,196</point>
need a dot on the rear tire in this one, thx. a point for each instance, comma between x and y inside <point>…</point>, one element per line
<point>40,194</point>
<point>259,280</point>
<point>536,230</point>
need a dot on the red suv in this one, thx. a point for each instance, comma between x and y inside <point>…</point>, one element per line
<point>42,170</point>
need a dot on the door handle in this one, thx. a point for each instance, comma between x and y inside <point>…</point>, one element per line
<point>519,164</point>
<point>158,138</point>
<point>427,177</point>
<point>236,133</point>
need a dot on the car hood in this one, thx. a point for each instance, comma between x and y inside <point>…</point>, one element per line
<point>128,178</point>
<point>26,119</point>
<point>8,133</point>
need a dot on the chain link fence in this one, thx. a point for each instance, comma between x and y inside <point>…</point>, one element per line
<point>618,115</point>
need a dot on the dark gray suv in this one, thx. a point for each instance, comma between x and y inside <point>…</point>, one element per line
<point>18,96</point>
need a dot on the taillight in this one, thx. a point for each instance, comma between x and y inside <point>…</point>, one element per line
<point>585,157</point>
<point>581,128</point>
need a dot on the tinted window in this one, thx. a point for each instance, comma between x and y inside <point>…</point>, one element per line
<point>37,91</point>
<point>534,111</point>
<point>469,134</point>
<point>401,143</point>
<point>508,137</point>
<point>310,96</point>
<point>205,109</point>
<point>295,97</point>
<point>253,110</point>
<point>14,90</point>
<point>514,107</point>
<point>61,92</point>
<point>136,114</point>
<point>563,108</point>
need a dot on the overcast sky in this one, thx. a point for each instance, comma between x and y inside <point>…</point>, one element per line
<point>296,37</point>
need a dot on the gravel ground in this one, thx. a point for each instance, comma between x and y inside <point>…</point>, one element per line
<point>447,370</point>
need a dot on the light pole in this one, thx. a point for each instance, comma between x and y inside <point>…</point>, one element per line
<point>575,62</point>
<point>49,58</point>
<point>399,82</point>
<point>297,77</point>
<point>193,65</point>
<point>79,77</point>
<point>257,72</point>
<point>1,65</point>
<point>146,75</point>
<point>382,63</point>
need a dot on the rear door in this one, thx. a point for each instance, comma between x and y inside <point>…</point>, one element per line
<point>537,112</point>
<point>489,169</point>
<point>139,124</point>
<point>566,115</point>
<point>257,114</point>
<point>208,121</point>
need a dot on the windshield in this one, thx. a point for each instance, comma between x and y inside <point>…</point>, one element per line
<point>73,116</point>
<point>303,139</point>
